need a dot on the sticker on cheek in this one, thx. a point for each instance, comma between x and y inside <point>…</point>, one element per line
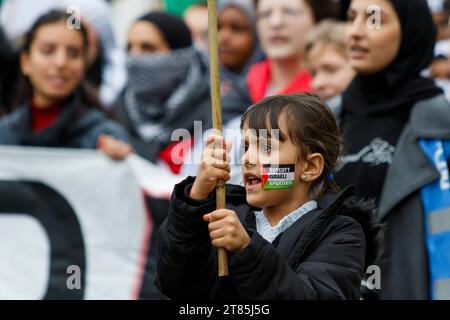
<point>278,176</point>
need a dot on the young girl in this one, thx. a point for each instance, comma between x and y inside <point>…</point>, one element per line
<point>55,111</point>
<point>289,233</point>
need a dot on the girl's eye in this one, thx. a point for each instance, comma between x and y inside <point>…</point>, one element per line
<point>266,148</point>
<point>351,16</point>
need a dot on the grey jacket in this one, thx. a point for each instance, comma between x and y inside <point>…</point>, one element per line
<point>76,127</point>
<point>404,263</point>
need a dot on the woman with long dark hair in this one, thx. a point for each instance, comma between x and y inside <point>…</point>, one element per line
<point>54,109</point>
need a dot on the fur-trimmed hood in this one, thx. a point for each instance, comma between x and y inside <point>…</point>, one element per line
<point>364,212</point>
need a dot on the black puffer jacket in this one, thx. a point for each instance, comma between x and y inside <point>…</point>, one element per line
<point>321,256</point>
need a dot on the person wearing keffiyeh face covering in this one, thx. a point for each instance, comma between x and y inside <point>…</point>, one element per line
<point>168,85</point>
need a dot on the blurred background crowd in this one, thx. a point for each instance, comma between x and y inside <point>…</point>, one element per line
<point>147,60</point>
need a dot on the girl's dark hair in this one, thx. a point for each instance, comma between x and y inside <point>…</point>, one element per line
<point>310,125</point>
<point>322,9</point>
<point>54,16</point>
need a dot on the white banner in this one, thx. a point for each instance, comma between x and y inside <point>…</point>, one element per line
<point>74,224</point>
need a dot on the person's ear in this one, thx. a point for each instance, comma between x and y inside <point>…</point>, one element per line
<point>312,167</point>
<point>25,63</point>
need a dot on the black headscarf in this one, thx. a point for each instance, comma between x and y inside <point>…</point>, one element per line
<point>174,29</point>
<point>400,84</point>
<point>376,107</point>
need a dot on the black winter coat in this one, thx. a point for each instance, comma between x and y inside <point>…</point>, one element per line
<point>321,256</point>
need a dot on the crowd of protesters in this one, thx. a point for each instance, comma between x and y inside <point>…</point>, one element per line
<point>387,85</point>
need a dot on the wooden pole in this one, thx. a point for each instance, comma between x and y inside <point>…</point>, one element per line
<point>216,113</point>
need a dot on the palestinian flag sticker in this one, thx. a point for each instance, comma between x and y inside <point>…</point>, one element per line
<point>278,176</point>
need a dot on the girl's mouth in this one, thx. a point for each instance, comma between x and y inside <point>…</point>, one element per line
<point>251,180</point>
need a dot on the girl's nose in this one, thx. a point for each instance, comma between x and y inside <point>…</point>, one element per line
<point>250,158</point>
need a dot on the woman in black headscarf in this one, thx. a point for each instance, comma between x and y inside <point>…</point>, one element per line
<point>168,87</point>
<point>387,110</point>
